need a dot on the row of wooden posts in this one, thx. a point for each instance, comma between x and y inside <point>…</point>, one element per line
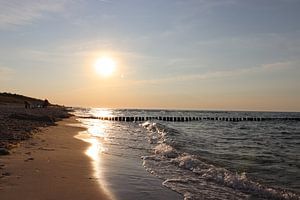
<point>187,119</point>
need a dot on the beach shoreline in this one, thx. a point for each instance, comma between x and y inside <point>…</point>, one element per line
<point>54,164</point>
<point>88,158</point>
<point>120,174</point>
<point>51,165</point>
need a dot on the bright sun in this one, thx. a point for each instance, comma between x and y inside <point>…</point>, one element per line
<point>105,66</point>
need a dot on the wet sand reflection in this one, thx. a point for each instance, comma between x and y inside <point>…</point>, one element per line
<point>94,135</point>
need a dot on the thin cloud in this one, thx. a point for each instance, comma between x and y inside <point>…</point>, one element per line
<point>14,12</point>
<point>202,76</point>
<point>6,73</point>
<point>220,73</point>
<point>277,65</point>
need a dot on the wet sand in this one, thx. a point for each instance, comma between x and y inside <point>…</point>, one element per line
<point>129,180</point>
<point>51,165</point>
<point>120,170</point>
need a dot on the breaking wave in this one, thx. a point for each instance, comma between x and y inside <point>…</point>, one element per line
<point>195,177</point>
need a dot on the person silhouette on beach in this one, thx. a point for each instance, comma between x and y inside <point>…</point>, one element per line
<point>46,103</point>
<point>26,104</point>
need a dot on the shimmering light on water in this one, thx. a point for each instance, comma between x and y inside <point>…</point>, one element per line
<point>95,135</point>
<point>101,112</point>
<point>248,154</point>
<point>94,150</point>
<point>97,130</point>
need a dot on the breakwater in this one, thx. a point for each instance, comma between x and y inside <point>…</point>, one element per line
<point>190,118</point>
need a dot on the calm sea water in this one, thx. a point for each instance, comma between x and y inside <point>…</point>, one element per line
<point>207,159</point>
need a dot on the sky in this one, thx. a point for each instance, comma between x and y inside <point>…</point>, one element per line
<point>182,54</point>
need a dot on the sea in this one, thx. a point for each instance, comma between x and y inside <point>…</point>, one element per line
<point>205,159</point>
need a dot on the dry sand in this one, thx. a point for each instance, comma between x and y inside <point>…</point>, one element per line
<point>18,124</point>
<point>51,165</point>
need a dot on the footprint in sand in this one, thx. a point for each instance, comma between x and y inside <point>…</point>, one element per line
<point>28,159</point>
<point>46,149</point>
<point>6,174</point>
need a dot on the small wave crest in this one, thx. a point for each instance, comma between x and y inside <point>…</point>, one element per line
<point>197,179</point>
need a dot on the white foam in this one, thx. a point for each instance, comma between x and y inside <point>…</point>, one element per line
<point>192,177</point>
<point>165,150</point>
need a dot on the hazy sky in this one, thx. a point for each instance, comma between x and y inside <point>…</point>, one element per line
<point>199,54</point>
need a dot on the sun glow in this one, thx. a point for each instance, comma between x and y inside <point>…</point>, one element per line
<point>105,66</point>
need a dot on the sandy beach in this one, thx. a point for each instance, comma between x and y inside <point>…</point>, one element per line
<point>18,124</point>
<point>149,100</point>
<point>51,165</point>
<point>46,153</point>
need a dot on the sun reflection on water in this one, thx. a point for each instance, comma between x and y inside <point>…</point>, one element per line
<point>101,112</point>
<point>95,135</point>
<point>96,131</point>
